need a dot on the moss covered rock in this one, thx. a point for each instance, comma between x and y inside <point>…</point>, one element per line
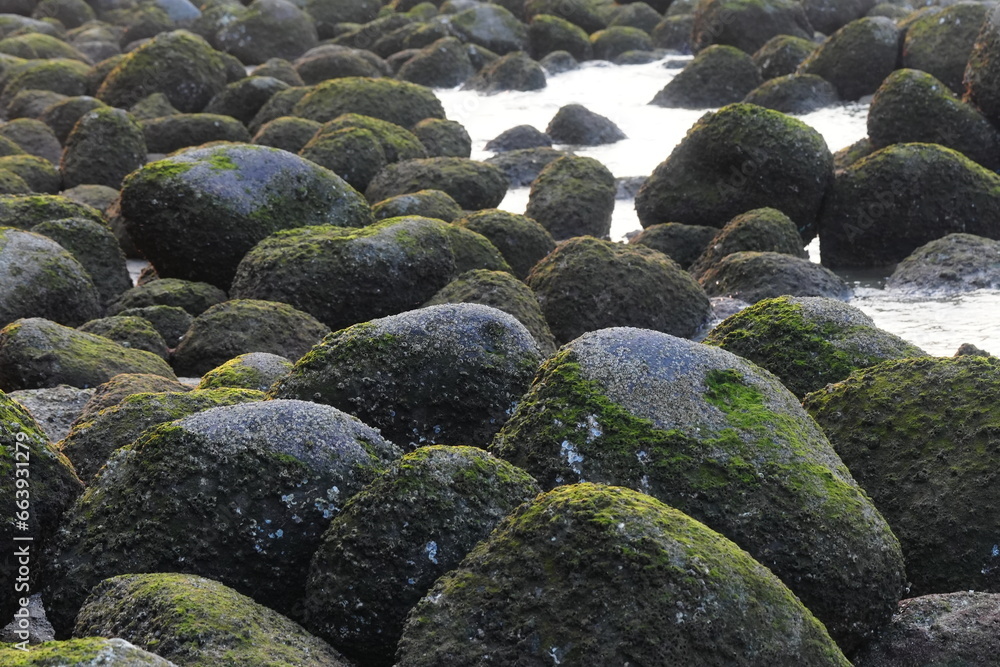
<point>514,71</point>
<point>97,250</point>
<point>328,13</point>
<point>828,16</point>
<point>951,264</point>
<point>808,342</point>
<point>198,622</point>
<point>521,240</point>
<point>747,24</point>
<point>66,77</point>
<point>576,124</point>
<point>474,185</point>
<point>342,276</point>
<point>613,41</point>
<point>129,331</point>
<point>253,370</point>
<point>522,166</point>
<point>857,57</point>
<point>397,142</point>
<point>195,298</point>
<point>794,94</point>
<point>268,29</point>
<point>491,26</point>
<point>425,203</point>
<point>288,133</point>
<point>93,439</point>
<point>86,651</point>
<point>573,196</point>
<point>26,211</point>
<point>446,374</point>
<point>941,43</point>
<point>335,61</point>
<point>918,434</point>
<point>737,159</point>
<point>37,353</point>
<point>718,438</point>
<point>353,153</point>
<point>763,229</point>
<point>280,104</point>
<point>166,134</point>
<point>883,207</point>
<point>178,64</point>
<point>549,34</point>
<point>751,276</point>
<point>38,174</point>
<point>115,390</point>
<point>395,538</point>
<point>682,243</point>
<point>236,327</point>
<point>306,460</point>
<point>947,629</point>
<point>913,106</point>
<point>529,592</point>
<point>781,55</point>
<point>502,291</point>
<point>40,279</point>
<point>441,64</point>
<point>398,102</point>
<point>104,147</point>
<point>578,12</point>
<point>37,484</point>
<point>443,138</point>
<point>195,215</point>
<point>582,287</point>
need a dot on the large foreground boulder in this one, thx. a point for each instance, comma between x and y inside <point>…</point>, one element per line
<point>918,434</point>
<point>881,208</point>
<point>196,214</point>
<point>306,461</point>
<point>446,374</point>
<point>533,591</point>
<point>740,158</point>
<point>808,342</point>
<point>718,438</point>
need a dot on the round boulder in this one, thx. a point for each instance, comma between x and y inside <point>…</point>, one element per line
<point>763,229</point>
<point>808,342</point>
<point>105,145</point>
<point>682,243</point>
<point>395,538</point>
<point>194,298</point>
<point>198,622</point>
<point>196,214</point>
<point>166,134</point>
<point>518,137</point>
<point>446,374</point>
<point>737,159</point>
<point>828,16</point>
<point>752,276</point>
<point>520,239</point>
<point>794,94</point>
<point>858,57</point>
<point>490,26</point>
<point>550,34</point>
<point>474,185</point>
<point>582,287</point>
<point>952,264</point>
<point>441,64</point>
<point>576,124</point>
<point>529,593</point>
<point>718,438</point>
<point>399,102</point>
<point>747,25</point>
<point>425,203</point>
<point>443,138</point>
<point>573,196</point>
<point>306,461</point>
<point>268,29</point>
<point>129,331</point>
<point>514,71</point>
<point>918,435</point>
<point>781,55</point>
<point>940,43</point>
<point>717,76</point>
<point>236,327</point>
<point>254,370</point>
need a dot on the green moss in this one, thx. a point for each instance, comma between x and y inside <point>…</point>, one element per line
<point>166,169</point>
<point>221,162</point>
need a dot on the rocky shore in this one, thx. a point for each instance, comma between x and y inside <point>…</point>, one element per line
<point>353,414</point>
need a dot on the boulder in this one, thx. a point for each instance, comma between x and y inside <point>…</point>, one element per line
<point>306,461</point>
<point>268,29</point>
<point>578,12</point>
<point>37,353</point>
<point>243,99</point>
<point>96,436</point>
<point>167,134</point>
<point>121,386</point>
<point>441,64</point>
<point>178,64</point>
<point>38,278</point>
<point>424,203</point>
<point>105,146</point>
<point>573,196</point>
<point>24,212</point>
<point>794,94</point>
<point>395,538</point>
<point>763,229</point>
<point>328,13</point>
<point>514,71</point>
<point>89,650</point>
<point>288,133</point>
<point>280,69</point>
<point>502,291</point>
<point>445,374</point>
<point>576,124</point>
<point>195,215</point>
<point>280,104</point>
<point>612,42</point>
<point>917,434</point>
<point>782,55</point>
<point>521,240</point>
<point>639,15</point>
<point>129,331</point>
<point>751,276</point>
<point>941,43</point>
<point>808,342</point>
<point>950,628</point>
<point>858,57</point>
<point>580,289</point>
<point>33,137</point>
<point>253,370</point>
<point>912,106</point>
<point>38,174</point>
<point>198,622</point>
<point>399,102</point>
<point>550,34</point>
<point>737,159</point>
<point>718,438</point>
<point>443,138</point>
<point>949,265</point>
<point>518,137</point>
<point>529,591</point>
<point>194,298</point>
<point>881,208</point>
<point>747,25</point>
<point>236,327</point>
<point>717,76</point>
<point>522,166</point>
<point>682,243</point>
<point>828,16</point>
<point>674,33</point>
<point>355,154</point>
<point>343,276</point>
<point>474,185</point>
<point>490,26</point>
<point>54,409</point>
<point>52,487</point>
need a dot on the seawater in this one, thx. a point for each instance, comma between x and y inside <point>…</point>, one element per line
<point>622,93</point>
